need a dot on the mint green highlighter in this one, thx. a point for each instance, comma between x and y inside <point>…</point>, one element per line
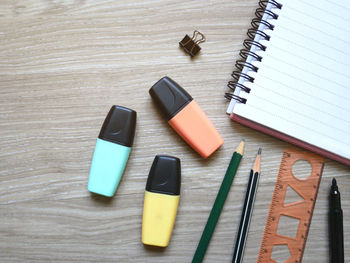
<point>112,151</point>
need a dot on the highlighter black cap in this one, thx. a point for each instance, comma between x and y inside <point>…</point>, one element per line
<point>165,175</point>
<point>169,96</point>
<point>119,126</point>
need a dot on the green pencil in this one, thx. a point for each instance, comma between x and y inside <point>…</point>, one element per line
<point>218,204</point>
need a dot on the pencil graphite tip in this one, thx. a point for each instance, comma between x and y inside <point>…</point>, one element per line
<point>256,167</point>
<point>259,151</point>
<point>240,148</point>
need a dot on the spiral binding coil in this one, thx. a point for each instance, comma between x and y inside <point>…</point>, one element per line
<point>246,51</point>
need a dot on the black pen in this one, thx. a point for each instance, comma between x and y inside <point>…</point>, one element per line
<point>336,236</point>
<point>247,210</point>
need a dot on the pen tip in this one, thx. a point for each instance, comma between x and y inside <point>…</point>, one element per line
<point>334,182</point>
<point>259,151</point>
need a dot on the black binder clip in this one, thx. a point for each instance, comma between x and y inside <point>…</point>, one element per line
<point>190,45</point>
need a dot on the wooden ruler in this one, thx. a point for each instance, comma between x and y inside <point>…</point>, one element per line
<point>301,210</point>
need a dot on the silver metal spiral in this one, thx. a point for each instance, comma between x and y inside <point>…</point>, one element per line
<point>246,51</point>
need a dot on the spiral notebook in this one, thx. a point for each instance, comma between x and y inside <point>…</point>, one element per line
<point>293,78</point>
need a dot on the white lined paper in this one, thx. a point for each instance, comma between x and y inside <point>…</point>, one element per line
<point>302,88</point>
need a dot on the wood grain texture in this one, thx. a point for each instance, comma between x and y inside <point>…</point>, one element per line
<point>62,65</point>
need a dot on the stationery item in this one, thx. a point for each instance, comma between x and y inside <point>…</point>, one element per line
<point>336,235</point>
<point>300,210</point>
<point>191,45</point>
<point>293,76</point>
<point>112,150</point>
<point>161,200</point>
<point>186,117</point>
<point>247,210</point>
<point>218,204</point>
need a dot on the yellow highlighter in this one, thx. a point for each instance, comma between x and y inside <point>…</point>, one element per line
<point>161,200</point>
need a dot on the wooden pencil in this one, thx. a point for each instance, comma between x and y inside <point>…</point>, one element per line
<point>218,204</point>
<point>247,210</point>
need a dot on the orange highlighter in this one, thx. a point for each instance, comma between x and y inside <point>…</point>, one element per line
<point>186,117</point>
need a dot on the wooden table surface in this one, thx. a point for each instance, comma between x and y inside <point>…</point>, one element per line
<point>63,64</point>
